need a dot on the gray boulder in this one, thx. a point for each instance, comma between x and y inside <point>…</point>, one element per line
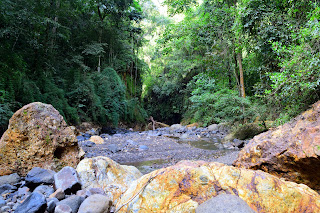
<point>36,202</point>
<point>45,190</point>
<point>224,203</point>
<point>73,202</point>
<point>10,179</point>
<point>62,208</point>
<point>213,127</point>
<point>113,148</point>
<point>7,187</point>
<point>96,203</point>
<point>175,127</point>
<point>2,202</point>
<point>68,180</point>
<point>5,209</point>
<point>37,176</point>
<point>51,204</point>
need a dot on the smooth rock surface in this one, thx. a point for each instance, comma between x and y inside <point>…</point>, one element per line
<point>36,202</point>
<point>10,179</point>
<point>68,180</point>
<point>224,203</point>
<point>213,127</point>
<point>290,151</point>
<point>2,202</point>
<point>175,127</point>
<point>37,176</point>
<point>102,172</point>
<point>62,208</point>
<point>44,189</point>
<point>95,204</point>
<point>182,187</point>
<point>73,202</point>
<point>37,136</point>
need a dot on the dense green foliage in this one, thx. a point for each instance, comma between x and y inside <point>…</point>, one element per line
<point>78,55</point>
<point>94,60</point>
<point>195,68</point>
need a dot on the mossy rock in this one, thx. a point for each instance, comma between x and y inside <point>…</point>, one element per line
<point>247,131</point>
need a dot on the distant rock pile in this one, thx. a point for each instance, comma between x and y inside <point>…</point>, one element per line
<point>37,136</point>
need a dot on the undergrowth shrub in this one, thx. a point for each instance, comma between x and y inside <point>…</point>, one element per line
<point>221,106</point>
<point>247,131</point>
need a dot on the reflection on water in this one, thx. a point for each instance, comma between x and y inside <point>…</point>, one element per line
<point>203,143</point>
<point>209,144</point>
<point>146,167</point>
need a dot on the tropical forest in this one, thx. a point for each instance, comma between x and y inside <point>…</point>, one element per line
<point>180,106</point>
<point>121,61</point>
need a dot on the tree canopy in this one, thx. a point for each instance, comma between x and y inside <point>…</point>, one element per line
<point>117,61</point>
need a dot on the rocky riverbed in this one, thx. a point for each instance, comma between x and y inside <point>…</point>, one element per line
<point>41,169</point>
<point>150,150</point>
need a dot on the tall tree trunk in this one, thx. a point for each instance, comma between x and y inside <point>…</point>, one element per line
<point>235,71</point>
<point>99,57</point>
<point>243,93</point>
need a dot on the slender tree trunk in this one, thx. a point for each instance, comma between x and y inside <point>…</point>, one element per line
<point>243,94</point>
<point>99,57</point>
<point>229,74</point>
<point>235,71</point>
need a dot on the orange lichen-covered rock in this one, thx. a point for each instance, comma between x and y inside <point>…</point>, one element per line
<point>290,151</point>
<point>102,172</point>
<point>182,187</point>
<point>96,139</point>
<point>37,136</point>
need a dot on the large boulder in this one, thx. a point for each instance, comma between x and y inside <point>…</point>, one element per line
<point>224,203</point>
<point>290,151</point>
<point>95,204</point>
<point>37,176</point>
<point>36,202</point>
<point>102,172</point>
<point>182,187</point>
<point>68,180</point>
<point>37,136</point>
